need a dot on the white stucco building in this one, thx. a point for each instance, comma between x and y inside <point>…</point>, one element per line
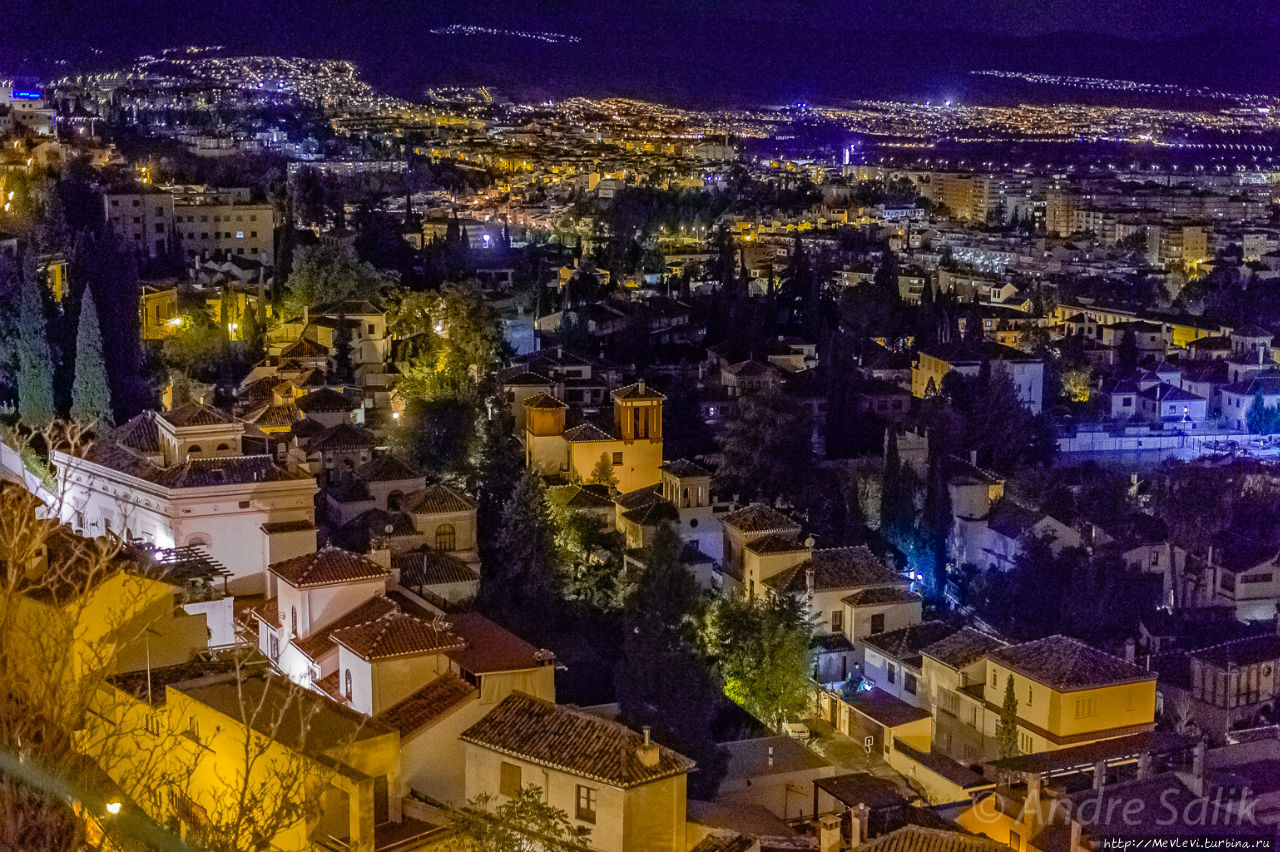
<point>181,478</point>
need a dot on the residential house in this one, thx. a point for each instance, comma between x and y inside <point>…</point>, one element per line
<point>627,789</point>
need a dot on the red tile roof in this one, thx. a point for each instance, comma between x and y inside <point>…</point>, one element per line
<point>437,500</point>
<point>759,518</point>
<point>572,741</point>
<point>427,704</point>
<point>396,634</point>
<point>327,565</point>
<point>320,642</point>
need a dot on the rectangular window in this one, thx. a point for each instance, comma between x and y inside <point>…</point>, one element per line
<point>1257,578</point>
<point>877,623</point>
<point>837,620</point>
<point>891,672</point>
<point>509,779</point>
<point>586,804</point>
<point>617,459</point>
<point>909,683</point>
<point>1084,707</point>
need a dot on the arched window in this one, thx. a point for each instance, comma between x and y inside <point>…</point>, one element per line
<point>446,537</point>
<point>393,500</point>
<point>222,448</point>
<point>194,450</point>
<point>346,685</point>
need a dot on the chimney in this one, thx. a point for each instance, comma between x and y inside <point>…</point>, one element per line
<point>1031,805</point>
<point>648,751</point>
<point>973,457</point>
<point>640,385</point>
<point>1130,650</point>
<point>382,556</point>
<point>829,833</point>
<point>859,822</point>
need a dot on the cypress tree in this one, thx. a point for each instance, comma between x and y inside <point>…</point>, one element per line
<point>35,363</point>
<point>91,392</point>
<point>1007,726</point>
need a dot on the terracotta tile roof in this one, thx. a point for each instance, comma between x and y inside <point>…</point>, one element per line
<point>637,390</point>
<point>638,498</point>
<point>272,527</point>
<point>386,468</point>
<point>774,543</point>
<point>138,433</point>
<point>396,634</point>
<point>837,568</point>
<point>682,468</point>
<point>1243,652</point>
<point>340,438</point>
<point>915,838</point>
<point>374,523</point>
<point>655,513</point>
<point>272,416</point>
<point>268,611</point>
<point>526,378</point>
<point>759,518</point>
<point>490,647</point>
<point>907,642</point>
<point>326,400</point>
<point>427,704</point>
<point>967,645</point>
<point>1063,663</point>
<point>203,473</point>
<point>304,347</point>
<point>330,685</point>
<point>587,433</point>
<point>437,499</point>
<point>195,414</point>
<point>880,596</point>
<point>431,568</point>
<point>573,742</point>
<point>320,642</point>
<point>543,400</point>
<point>327,565</point>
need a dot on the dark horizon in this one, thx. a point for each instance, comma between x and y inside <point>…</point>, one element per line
<point>703,54</point>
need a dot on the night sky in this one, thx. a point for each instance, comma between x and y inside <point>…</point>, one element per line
<point>704,52</point>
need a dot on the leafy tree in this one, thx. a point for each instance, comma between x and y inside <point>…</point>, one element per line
<point>91,392</point>
<point>327,274</point>
<point>602,473</point>
<point>663,680</point>
<point>1007,725</point>
<point>35,362</point>
<point>525,822</point>
<point>762,648</point>
<point>1262,419</point>
<point>766,447</point>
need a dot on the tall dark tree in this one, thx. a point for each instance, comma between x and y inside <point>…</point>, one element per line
<point>517,586</point>
<point>896,503</point>
<point>663,680</point>
<point>91,391</point>
<point>1007,725</point>
<point>35,363</point>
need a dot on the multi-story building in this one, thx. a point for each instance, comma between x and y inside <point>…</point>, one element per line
<point>931,365</point>
<point>209,224</point>
<point>142,219</point>
<point>182,478</point>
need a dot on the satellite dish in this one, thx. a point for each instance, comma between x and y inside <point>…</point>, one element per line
<point>809,542</point>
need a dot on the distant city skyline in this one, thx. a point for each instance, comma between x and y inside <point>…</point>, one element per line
<point>740,52</point>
